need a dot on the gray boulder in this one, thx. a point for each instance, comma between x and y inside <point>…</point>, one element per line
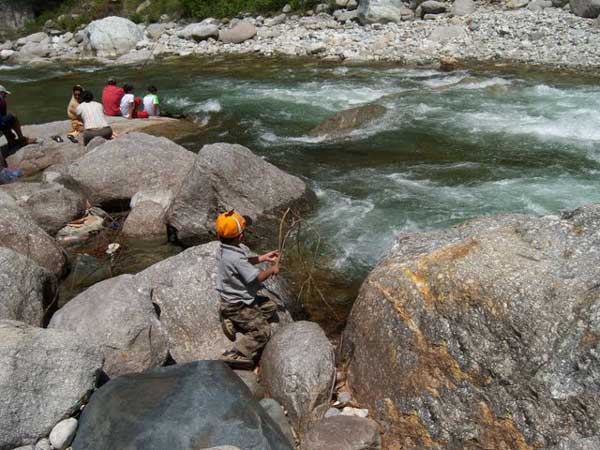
<point>380,11</point>
<point>343,433</point>
<point>63,433</point>
<point>277,20</point>
<point>463,7</point>
<point>155,30</point>
<point>277,413</point>
<point>199,32</point>
<point>239,33</point>
<point>345,16</point>
<point>120,320</point>
<point>183,288</point>
<point>113,36</point>
<point>297,369</point>
<point>36,157</point>
<point>27,290</point>
<point>344,122</point>
<point>19,232</point>
<point>44,376</point>
<point>589,9</point>
<point>432,7</point>
<point>34,38</point>
<point>196,405</point>
<point>486,332</point>
<point>229,176</point>
<point>52,206</point>
<point>134,162</point>
<point>145,221</point>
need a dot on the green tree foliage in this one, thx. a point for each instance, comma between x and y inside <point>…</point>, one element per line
<point>230,8</point>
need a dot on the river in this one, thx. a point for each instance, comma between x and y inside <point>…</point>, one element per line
<point>451,146</point>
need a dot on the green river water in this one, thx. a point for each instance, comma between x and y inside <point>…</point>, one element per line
<point>451,146</point>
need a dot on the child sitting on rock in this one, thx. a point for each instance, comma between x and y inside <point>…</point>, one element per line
<point>238,282</point>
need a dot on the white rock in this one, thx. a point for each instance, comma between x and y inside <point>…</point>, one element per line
<point>356,412</point>
<point>286,9</point>
<point>63,433</point>
<point>43,444</point>
<point>113,36</point>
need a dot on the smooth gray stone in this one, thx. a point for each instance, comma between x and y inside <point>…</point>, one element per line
<point>197,405</point>
<point>275,410</point>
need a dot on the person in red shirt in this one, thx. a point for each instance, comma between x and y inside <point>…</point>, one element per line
<point>111,98</point>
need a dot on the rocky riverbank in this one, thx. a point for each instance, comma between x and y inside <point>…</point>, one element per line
<point>540,33</point>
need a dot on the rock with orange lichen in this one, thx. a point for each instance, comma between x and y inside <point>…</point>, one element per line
<point>484,336</point>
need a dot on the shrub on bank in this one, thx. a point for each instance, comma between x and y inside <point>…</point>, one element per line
<point>229,8</point>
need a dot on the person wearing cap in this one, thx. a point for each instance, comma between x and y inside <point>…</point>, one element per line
<point>238,282</point>
<point>9,123</point>
<point>111,98</point>
<point>76,122</point>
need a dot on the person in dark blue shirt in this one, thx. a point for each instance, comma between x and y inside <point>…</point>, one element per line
<point>9,123</point>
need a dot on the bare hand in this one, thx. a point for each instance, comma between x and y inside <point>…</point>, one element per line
<point>272,256</point>
<point>275,270</point>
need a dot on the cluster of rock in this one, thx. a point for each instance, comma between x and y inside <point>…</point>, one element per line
<point>127,328</point>
<point>419,32</point>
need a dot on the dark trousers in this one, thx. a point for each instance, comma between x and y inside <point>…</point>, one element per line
<point>90,134</point>
<point>252,321</point>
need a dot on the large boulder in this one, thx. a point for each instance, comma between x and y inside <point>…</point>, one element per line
<point>345,122</point>
<point>120,320</point>
<point>485,335</point>
<point>183,288</point>
<point>229,176</point>
<point>343,433</point>
<point>297,369</point>
<point>147,217</point>
<point>19,232</point>
<point>44,377</point>
<point>37,157</point>
<point>241,32</point>
<point>586,8</point>
<point>196,405</point>
<point>27,290</point>
<point>380,11</point>
<point>118,169</point>
<point>113,36</point>
<point>51,205</point>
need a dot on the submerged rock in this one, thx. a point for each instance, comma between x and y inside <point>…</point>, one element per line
<point>44,376</point>
<point>229,176</point>
<point>204,400</point>
<point>26,290</point>
<point>120,320</point>
<point>487,332</point>
<point>297,369</point>
<point>344,122</point>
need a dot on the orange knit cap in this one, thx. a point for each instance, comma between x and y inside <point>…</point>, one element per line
<point>230,225</point>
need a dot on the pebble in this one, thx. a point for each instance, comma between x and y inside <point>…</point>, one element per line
<point>63,433</point>
<point>332,412</point>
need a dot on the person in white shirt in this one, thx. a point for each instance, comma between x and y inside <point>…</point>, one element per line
<point>151,102</point>
<point>92,116</point>
<point>130,104</point>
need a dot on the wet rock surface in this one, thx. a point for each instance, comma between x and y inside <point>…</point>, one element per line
<point>27,291</point>
<point>204,401</point>
<point>343,123</point>
<point>44,376</point>
<point>485,335</point>
<point>297,368</point>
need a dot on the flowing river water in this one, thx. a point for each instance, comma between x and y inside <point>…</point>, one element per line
<point>452,146</point>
